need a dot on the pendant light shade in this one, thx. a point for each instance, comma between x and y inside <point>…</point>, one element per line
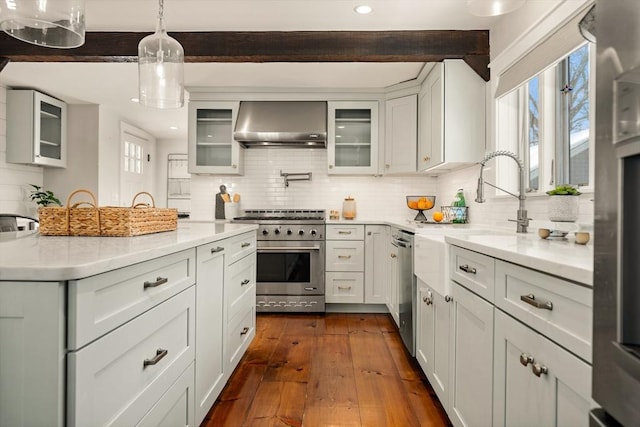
<point>493,7</point>
<point>58,23</point>
<point>161,68</point>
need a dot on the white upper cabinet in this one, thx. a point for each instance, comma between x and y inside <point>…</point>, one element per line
<point>451,124</point>
<point>212,149</point>
<point>401,134</point>
<point>352,138</point>
<point>36,129</point>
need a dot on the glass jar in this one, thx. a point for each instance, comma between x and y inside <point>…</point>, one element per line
<point>349,208</point>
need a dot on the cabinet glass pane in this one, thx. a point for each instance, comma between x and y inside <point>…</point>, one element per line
<point>214,137</point>
<point>353,137</point>
<point>50,131</point>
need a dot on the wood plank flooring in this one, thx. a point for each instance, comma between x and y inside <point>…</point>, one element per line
<point>327,370</point>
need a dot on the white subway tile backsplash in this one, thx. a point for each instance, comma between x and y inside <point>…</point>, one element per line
<point>263,187</point>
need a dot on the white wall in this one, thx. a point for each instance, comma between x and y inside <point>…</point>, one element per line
<point>14,179</point>
<point>82,154</point>
<point>262,187</point>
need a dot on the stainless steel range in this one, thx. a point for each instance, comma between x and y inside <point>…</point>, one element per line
<point>290,253</point>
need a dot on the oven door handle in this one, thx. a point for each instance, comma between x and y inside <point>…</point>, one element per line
<point>289,248</point>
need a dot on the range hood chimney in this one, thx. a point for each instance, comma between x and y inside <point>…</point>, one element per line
<point>300,124</point>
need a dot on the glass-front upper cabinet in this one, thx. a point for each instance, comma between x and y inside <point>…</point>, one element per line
<point>212,149</point>
<point>353,137</point>
<point>36,129</point>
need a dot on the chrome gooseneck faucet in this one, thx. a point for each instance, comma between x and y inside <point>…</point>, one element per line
<point>523,219</point>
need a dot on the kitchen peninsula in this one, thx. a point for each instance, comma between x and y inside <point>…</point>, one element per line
<point>102,331</point>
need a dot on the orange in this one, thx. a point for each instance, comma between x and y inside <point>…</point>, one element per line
<point>413,204</point>
<point>422,204</point>
<point>437,216</point>
<point>428,204</point>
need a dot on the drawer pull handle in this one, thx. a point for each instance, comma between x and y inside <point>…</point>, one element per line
<point>310,289</point>
<point>160,353</point>
<point>448,298</point>
<point>344,288</point>
<point>159,281</point>
<point>244,331</point>
<point>539,370</point>
<point>344,256</point>
<point>344,232</point>
<point>245,245</point>
<point>244,282</point>
<point>525,359</point>
<point>531,300</point>
<point>468,269</point>
<point>216,250</point>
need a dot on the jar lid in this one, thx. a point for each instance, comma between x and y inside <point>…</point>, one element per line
<point>349,198</point>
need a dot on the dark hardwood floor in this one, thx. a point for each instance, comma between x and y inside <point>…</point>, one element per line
<point>327,370</point>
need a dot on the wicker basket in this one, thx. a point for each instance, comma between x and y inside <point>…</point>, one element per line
<point>140,218</point>
<point>84,217</point>
<point>54,221</point>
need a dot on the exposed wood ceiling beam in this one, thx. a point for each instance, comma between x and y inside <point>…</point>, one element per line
<point>275,46</point>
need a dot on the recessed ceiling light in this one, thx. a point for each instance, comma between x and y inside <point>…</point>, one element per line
<point>173,127</point>
<point>135,100</point>
<point>363,9</point>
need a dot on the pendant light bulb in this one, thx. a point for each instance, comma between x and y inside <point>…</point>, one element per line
<point>493,7</point>
<point>161,68</point>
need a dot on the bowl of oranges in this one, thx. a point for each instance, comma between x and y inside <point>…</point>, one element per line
<point>420,204</point>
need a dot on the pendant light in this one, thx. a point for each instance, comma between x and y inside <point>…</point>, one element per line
<point>161,68</point>
<point>493,7</point>
<point>58,24</point>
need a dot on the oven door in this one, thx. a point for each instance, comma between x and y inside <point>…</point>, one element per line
<point>290,268</point>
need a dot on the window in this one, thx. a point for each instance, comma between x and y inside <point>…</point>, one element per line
<point>547,121</point>
<point>132,157</point>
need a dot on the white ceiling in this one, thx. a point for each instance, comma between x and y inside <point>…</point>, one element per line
<point>113,84</point>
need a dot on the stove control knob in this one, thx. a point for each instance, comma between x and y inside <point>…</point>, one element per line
<point>277,231</point>
<point>265,231</point>
<point>301,232</point>
<point>289,232</point>
<point>314,232</point>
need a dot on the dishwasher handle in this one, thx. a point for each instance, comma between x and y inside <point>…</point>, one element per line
<point>400,243</point>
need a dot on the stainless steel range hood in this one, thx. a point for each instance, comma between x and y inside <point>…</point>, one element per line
<point>300,124</point>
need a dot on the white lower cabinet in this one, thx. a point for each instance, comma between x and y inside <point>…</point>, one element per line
<point>32,322</point>
<point>175,407</point>
<point>117,379</point>
<point>471,390</point>
<point>344,264</point>
<point>209,365</point>
<point>225,316</point>
<point>537,383</point>
<point>433,339</point>
<point>393,287</point>
<point>376,261</point>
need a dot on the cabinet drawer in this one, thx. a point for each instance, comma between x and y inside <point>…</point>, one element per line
<point>344,287</point>
<point>345,232</point>
<point>101,303</point>
<point>345,256</point>
<point>240,332</point>
<point>474,271</point>
<point>239,246</point>
<point>109,383</point>
<point>565,309</point>
<point>240,282</point>
<point>175,408</point>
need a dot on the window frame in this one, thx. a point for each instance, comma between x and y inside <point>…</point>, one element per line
<point>549,170</point>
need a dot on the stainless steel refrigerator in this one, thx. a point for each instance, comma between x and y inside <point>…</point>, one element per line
<point>616,332</point>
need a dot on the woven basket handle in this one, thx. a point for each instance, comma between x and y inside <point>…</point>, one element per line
<point>139,205</point>
<point>82,190</point>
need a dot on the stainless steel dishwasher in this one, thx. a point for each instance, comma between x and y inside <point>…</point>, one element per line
<point>403,240</point>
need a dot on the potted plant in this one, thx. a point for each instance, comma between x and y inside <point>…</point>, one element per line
<point>563,203</point>
<point>43,198</point>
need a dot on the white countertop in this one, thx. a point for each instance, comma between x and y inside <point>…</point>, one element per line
<point>30,256</point>
<point>564,258</point>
